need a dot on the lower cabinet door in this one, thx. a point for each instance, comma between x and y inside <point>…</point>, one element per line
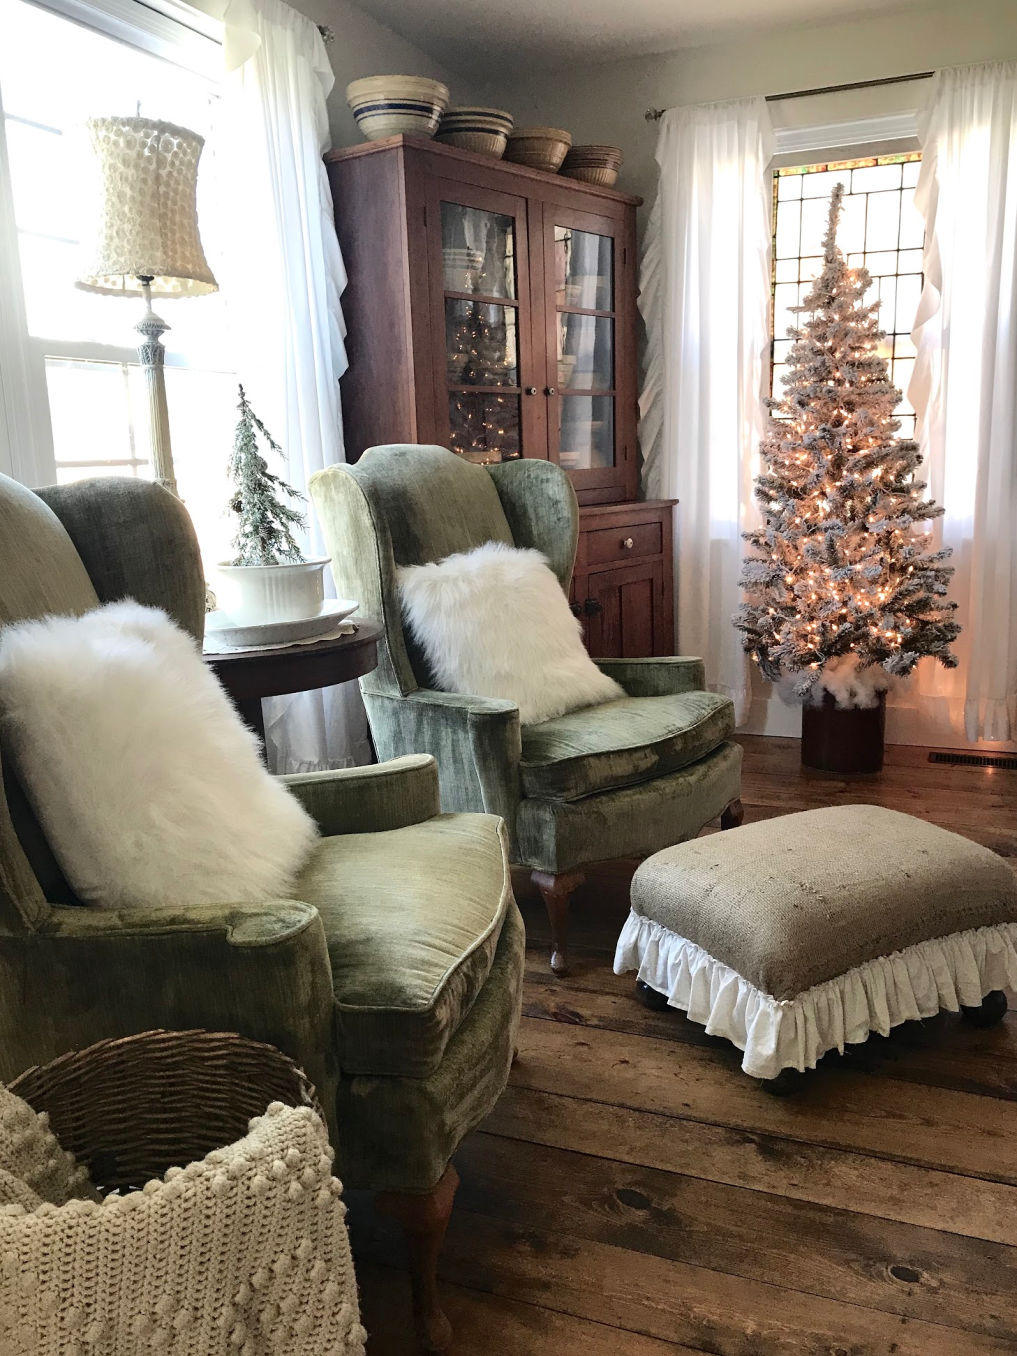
<point>624,613</point>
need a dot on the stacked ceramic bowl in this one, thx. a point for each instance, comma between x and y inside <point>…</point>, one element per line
<point>539,147</point>
<point>476,129</point>
<point>386,105</point>
<point>593,164</point>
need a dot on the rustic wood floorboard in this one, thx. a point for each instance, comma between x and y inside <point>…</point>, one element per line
<point>634,1194</point>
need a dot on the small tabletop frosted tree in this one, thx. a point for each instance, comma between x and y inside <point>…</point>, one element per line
<point>840,589</point>
<point>265,523</point>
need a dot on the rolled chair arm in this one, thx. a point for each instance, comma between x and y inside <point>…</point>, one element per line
<point>388,795</point>
<point>475,740</point>
<point>656,677</point>
<point>262,970</point>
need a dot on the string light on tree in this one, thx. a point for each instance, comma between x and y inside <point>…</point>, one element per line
<point>840,583</point>
<point>484,423</point>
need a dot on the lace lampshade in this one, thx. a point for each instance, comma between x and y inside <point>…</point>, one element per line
<point>148,225</point>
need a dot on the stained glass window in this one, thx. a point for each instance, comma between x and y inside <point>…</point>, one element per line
<point>880,228</point>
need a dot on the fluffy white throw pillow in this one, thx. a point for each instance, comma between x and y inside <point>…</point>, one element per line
<point>494,622</point>
<point>149,788</point>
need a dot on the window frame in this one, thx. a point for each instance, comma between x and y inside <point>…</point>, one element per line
<point>174,32</point>
<point>845,163</point>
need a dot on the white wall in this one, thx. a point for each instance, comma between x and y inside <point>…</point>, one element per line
<point>363,46</point>
<point>606,102</point>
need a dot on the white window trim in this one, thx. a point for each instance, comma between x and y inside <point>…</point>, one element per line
<point>168,29</point>
<point>844,135</point>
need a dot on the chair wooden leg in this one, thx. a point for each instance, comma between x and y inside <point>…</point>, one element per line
<point>425,1219</point>
<point>733,815</point>
<point>557,892</point>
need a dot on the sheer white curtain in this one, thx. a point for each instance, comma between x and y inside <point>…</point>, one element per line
<point>965,387</point>
<point>705,298</point>
<point>283,276</point>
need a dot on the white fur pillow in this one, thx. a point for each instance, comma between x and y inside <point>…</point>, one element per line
<point>494,622</point>
<point>149,788</point>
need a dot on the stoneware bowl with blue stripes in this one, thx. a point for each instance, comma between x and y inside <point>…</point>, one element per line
<point>476,129</point>
<point>386,105</point>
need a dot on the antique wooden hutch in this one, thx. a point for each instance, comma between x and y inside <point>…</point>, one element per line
<point>492,309</point>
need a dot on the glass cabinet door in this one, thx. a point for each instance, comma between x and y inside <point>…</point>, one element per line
<point>587,304</point>
<point>583,264</point>
<point>482,280</point>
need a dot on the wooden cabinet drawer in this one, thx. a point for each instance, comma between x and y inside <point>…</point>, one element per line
<point>631,541</point>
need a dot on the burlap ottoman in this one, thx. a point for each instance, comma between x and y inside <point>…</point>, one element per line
<point>805,933</point>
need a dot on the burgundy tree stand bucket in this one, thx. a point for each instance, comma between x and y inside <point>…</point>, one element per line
<point>846,741</point>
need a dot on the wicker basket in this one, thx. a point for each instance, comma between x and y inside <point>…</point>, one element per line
<point>236,1242</point>
<point>133,1107</point>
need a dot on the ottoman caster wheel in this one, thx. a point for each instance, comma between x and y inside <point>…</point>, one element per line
<point>787,1083</point>
<point>991,1011</point>
<point>651,998</point>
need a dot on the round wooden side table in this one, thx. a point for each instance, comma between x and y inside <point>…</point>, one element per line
<point>249,675</point>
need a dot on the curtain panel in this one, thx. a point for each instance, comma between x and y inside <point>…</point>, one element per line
<point>964,388</point>
<point>705,299</point>
<point>283,276</point>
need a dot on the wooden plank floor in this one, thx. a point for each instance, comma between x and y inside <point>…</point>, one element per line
<point>634,1194</point>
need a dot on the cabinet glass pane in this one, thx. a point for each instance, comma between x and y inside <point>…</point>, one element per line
<point>585,352</point>
<point>583,269</point>
<point>484,426</point>
<point>586,432</point>
<point>478,250</point>
<point>481,347</point>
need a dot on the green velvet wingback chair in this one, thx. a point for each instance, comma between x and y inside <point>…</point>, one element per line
<point>394,976</point>
<point>620,780</point>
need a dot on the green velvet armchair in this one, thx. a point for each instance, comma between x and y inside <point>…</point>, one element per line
<point>394,975</point>
<point>619,780</point>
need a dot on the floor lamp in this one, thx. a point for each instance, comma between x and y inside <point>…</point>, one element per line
<point>147,242</point>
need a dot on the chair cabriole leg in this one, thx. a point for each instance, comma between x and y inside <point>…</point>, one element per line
<point>557,893</point>
<point>733,815</point>
<point>424,1218</point>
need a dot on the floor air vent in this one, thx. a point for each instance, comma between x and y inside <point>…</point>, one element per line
<point>1004,760</point>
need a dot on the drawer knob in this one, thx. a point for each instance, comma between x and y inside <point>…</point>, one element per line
<point>531,390</point>
<point>628,544</point>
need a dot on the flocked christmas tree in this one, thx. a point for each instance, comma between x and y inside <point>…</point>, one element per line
<point>841,588</point>
<point>265,522</point>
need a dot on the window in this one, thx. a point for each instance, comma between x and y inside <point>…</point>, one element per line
<point>879,228</point>
<point>79,347</point>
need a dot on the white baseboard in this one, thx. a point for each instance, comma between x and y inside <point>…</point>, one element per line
<point>906,723</point>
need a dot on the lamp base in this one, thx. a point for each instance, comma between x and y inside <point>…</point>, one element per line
<point>152,354</point>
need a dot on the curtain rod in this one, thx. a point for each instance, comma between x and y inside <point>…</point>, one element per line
<point>655,114</point>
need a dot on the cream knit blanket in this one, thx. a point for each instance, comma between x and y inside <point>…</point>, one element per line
<point>244,1253</point>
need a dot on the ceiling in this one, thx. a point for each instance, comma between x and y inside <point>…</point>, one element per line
<point>521,35</point>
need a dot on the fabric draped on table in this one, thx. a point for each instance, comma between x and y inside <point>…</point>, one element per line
<point>964,389</point>
<point>705,298</point>
<point>283,277</point>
